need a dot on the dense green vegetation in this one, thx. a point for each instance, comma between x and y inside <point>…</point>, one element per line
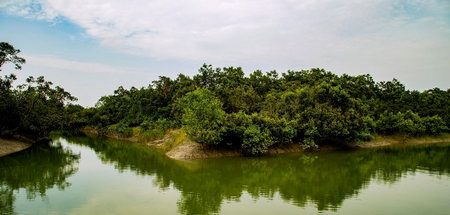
<point>32,109</point>
<point>225,108</point>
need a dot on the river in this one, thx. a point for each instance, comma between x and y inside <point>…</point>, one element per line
<point>91,175</point>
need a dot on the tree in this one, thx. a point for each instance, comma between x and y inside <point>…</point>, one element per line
<point>202,116</point>
<point>9,113</point>
<point>9,54</point>
<point>256,141</point>
<point>41,106</point>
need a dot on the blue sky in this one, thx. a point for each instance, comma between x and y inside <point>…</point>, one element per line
<point>90,47</point>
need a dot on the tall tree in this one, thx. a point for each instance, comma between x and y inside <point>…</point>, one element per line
<point>9,54</point>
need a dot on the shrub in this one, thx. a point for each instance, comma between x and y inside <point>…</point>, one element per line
<point>165,124</point>
<point>365,137</point>
<point>434,125</point>
<point>256,141</point>
<point>309,143</point>
<point>388,123</point>
<point>410,123</point>
<point>121,130</point>
<point>145,125</point>
<point>202,116</point>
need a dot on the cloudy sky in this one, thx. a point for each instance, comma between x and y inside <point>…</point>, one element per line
<point>90,47</point>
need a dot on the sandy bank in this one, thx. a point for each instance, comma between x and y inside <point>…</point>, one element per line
<point>381,141</point>
<point>9,146</point>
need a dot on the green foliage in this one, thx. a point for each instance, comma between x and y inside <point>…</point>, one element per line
<point>365,137</point>
<point>146,125</point>
<point>308,143</point>
<point>34,108</point>
<point>150,135</point>
<point>434,125</point>
<point>160,124</point>
<point>243,130</point>
<point>256,141</point>
<point>410,123</point>
<point>388,123</point>
<point>202,116</point>
<point>9,115</point>
<point>120,129</point>
<point>9,54</point>
<point>308,107</point>
<point>165,124</point>
<point>42,107</point>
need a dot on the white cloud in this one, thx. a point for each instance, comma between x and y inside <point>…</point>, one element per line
<point>76,66</point>
<point>381,36</point>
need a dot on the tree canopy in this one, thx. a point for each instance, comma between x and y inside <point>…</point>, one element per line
<point>222,106</point>
<point>9,54</point>
<point>31,109</point>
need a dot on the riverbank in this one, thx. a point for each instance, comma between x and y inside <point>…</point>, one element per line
<point>380,141</point>
<point>178,146</point>
<point>187,149</point>
<point>9,146</point>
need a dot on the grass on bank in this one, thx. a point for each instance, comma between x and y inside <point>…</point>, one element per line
<point>170,138</point>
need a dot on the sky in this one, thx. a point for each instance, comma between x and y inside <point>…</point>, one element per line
<point>91,47</point>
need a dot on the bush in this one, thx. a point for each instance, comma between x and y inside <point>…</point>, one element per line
<point>202,116</point>
<point>323,121</point>
<point>369,125</point>
<point>165,124</point>
<point>410,123</point>
<point>145,125</point>
<point>121,130</point>
<point>309,143</point>
<point>161,124</point>
<point>280,130</point>
<point>434,125</point>
<point>236,124</point>
<point>255,141</point>
<point>388,123</point>
<point>365,137</point>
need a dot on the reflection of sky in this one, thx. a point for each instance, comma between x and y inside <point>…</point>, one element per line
<point>102,46</point>
<point>99,188</point>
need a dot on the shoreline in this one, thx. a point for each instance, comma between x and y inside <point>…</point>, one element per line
<point>178,147</point>
<point>10,146</point>
<point>393,140</point>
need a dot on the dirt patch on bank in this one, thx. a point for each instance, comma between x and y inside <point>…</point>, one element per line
<point>8,146</point>
<point>381,141</point>
<point>192,150</point>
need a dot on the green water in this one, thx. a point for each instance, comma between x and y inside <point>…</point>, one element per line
<point>88,175</point>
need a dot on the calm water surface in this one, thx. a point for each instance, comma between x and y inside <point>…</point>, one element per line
<point>89,175</point>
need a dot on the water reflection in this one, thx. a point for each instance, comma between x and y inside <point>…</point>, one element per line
<point>324,179</point>
<point>35,170</point>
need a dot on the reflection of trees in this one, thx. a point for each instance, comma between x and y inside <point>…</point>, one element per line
<point>325,179</point>
<point>36,169</point>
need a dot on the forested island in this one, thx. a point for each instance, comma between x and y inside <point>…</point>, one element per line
<point>223,108</point>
